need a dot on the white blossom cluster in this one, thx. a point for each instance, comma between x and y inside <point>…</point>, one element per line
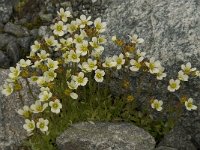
<point>80,45</point>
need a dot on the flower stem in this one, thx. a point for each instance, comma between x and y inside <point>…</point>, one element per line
<point>29,88</point>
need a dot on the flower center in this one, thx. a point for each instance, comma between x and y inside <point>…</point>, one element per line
<point>98,75</point>
<point>59,28</point>
<point>42,125</point>
<point>55,105</point>
<point>30,125</point>
<point>173,85</point>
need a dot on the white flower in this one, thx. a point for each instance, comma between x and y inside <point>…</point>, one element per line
<point>64,15</point>
<point>84,67</point>
<point>49,75</point>
<point>38,107</point>
<point>136,65</point>
<point>36,46</point>
<point>187,68</point>
<point>59,28</point>
<point>114,38</point>
<point>7,89</point>
<point>182,76</point>
<point>173,85</point>
<point>41,81</point>
<point>73,56</point>
<point>45,96</point>
<point>119,60</point>
<point>134,39</point>
<point>82,48</point>
<point>100,26</point>
<point>52,64</point>
<point>50,41</point>
<point>65,56</point>
<point>197,73</point>
<point>43,55</point>
<point>55,106</point>
<point>29,125</point>
<point>23,63</point>
<point>73,95</point>
<point>89,65</point>
<point>72,85</point>
<point>14,72</point>
<point>160,75</point>
<point>95,44</point>
<point>83,21</point>
<point>80,79</point>
<point>129,55</point>
<point>109,63</point>
<point>96,53</point>
<point>153,66</point>
<point>102,40</point>
<point>157,104</point>
<point>66,43</point>
<point>78,39</point>
<point>140,54</point>
<point>42,124</point>
<point>71,28</point>
<point>25,111</point>
<point>33,79</point>
<point>42,89</point>
<point>189,105</point>
<point>31,55</point>
<point>36,64</point>
<point>99,75</point>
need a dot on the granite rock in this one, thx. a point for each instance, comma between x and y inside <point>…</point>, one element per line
<point>165,148</point>
<point>4,61</point>
<point>101,136</point>
<point>24,43</point>
<point>5,39</point>
<point>178,138</point>
<point>13,51</point>
<point>5,12</point>
<point>171,33</point>
<point>16,30</point>
<point>46,17</point>
<point>11,130</point>
<point>43,30</point>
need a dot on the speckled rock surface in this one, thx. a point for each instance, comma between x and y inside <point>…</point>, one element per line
<point>11,130</point>
<point>170,29</point>
<point>101,136</point>
<point>171,32</point>
<point>16,30</point>
<point>178,138</point>
<point>165,148</point>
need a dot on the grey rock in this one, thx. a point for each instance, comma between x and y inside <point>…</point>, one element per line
<point>24,43</point>
<point>1,27</point>
<point>43,30</point>
<point>165,148</point>
<point>46,17</point>
<point>5,12</point>
<point>34,32</point>
<point>16,30</point>
<point>171,33</point>
<point>13,51</point>
<point>66,4</point>
<point>5,39</point>
<point>4,61</point>
<point>11,124</point>
<point>101,136</point>
<point>178,138</point>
